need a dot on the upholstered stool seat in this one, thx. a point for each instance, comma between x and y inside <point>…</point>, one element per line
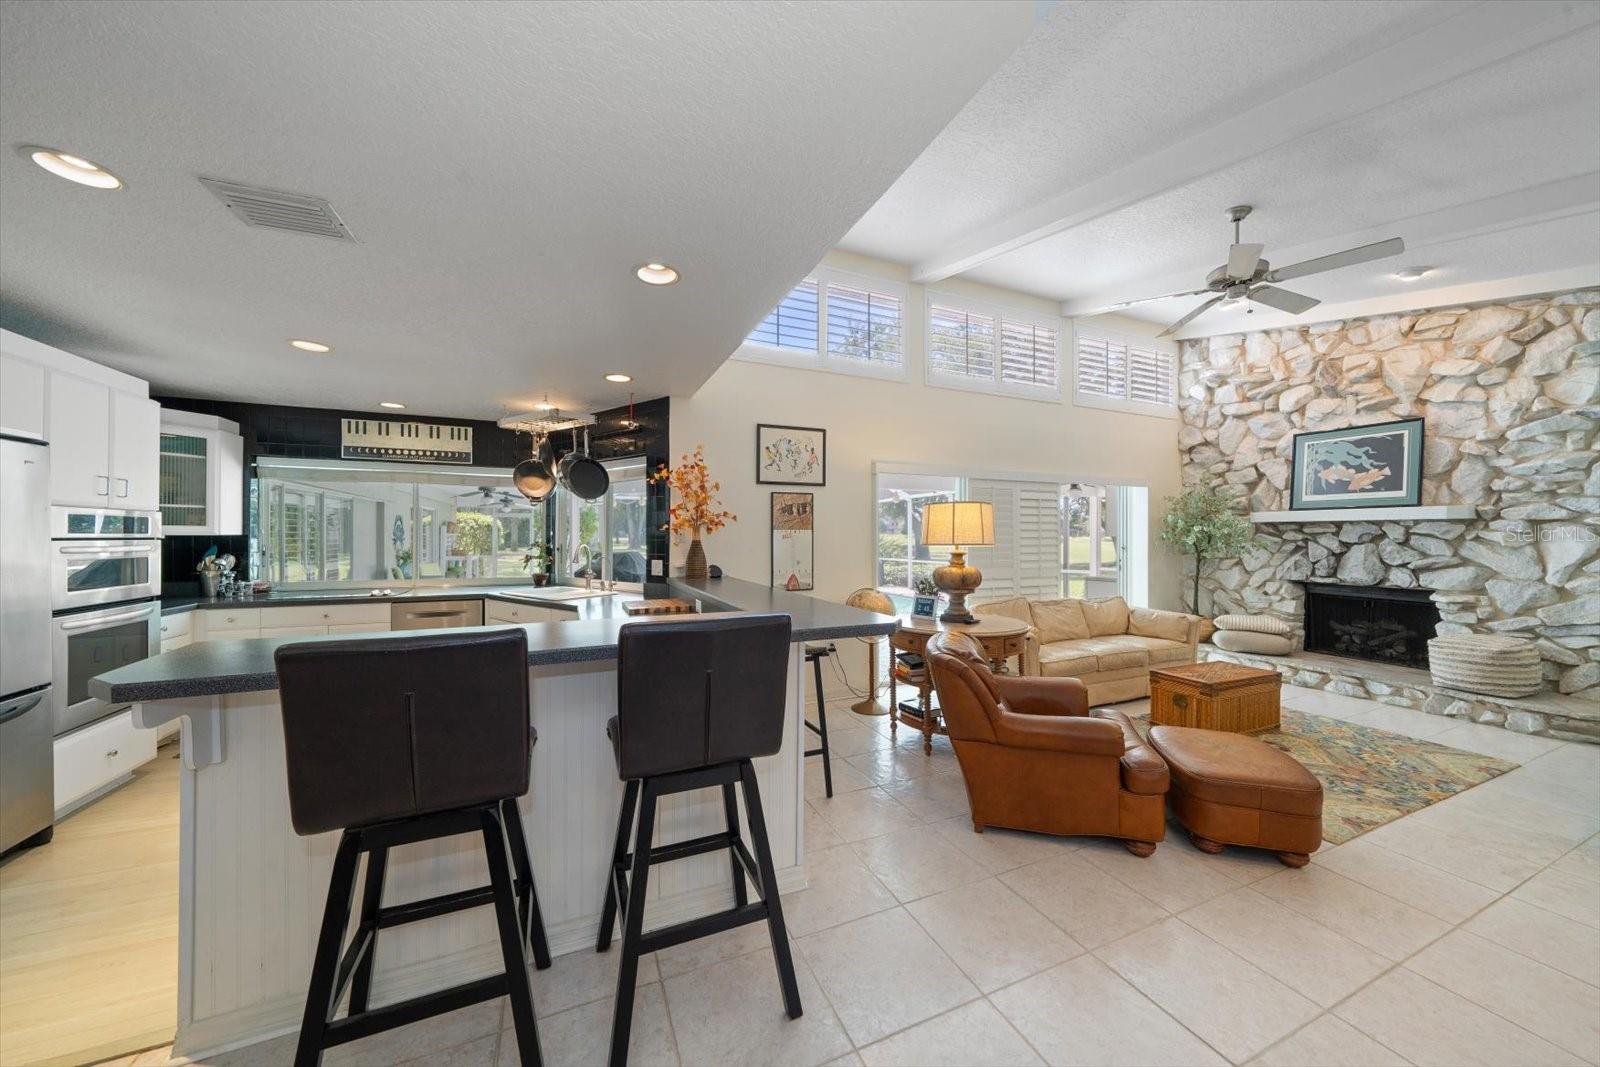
<point>1232,789</point>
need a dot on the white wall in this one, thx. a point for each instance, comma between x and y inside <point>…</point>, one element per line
<point>870,420</point>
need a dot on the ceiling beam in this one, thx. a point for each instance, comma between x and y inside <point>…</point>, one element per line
<point>1508,211</point>
<point>1477,37</point>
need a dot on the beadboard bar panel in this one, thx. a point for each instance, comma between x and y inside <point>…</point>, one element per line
<point>253,890</point>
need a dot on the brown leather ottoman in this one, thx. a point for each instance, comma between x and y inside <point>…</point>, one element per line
<point>1231,789</point>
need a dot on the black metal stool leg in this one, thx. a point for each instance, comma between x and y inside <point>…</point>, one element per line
<point>527,891</point>
<point>325,964</point>
<point>821,729</point>
<point>608,913</point>
<point>633,928</point>
<point>730,808</point>
<point>506,913</point>
<point>371,900</point>
<point>769,890</point>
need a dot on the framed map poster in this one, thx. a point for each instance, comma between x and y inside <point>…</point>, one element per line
<point>791,455</point>
<point>1377,466</point>
<point>793,553</point>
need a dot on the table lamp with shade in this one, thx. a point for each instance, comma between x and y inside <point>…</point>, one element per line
<point>958,524</point>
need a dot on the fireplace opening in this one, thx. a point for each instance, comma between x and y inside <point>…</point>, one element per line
<point>1370,622</point>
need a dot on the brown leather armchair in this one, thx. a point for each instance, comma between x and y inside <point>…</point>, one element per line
<point>1035,758</point>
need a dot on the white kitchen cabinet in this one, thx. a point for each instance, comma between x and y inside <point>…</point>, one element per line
<point>135,452</point>
<point>294,631</point>
<point>104,445</point>
<point>177,631</point>
<point>202,467</point>
<point>21,398</point>
<point>498,611</point>
<point>79,430</point>
<point>90,761</point>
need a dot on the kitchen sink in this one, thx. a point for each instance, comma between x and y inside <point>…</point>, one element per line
<point>565,592</point>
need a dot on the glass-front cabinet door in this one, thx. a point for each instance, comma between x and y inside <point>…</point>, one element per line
<point>185,483</point>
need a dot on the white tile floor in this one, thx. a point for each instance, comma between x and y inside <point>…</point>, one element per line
<point>1468,932</point>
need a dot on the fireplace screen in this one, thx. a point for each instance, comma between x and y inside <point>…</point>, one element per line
<point>1370,622</point>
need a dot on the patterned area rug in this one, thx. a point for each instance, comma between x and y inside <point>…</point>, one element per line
<point>1369,776</point>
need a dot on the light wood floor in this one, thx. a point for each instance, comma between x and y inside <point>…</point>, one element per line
<point>89,929</point>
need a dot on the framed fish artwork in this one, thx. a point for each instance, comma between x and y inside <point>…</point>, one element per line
<point>1377,466</point>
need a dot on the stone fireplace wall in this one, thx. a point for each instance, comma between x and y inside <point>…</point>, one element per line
<point>1511,397</point>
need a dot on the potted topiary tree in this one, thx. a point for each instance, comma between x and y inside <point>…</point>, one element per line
<point>1201,522</point>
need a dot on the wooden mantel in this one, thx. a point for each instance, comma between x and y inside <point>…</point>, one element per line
<point>1433,512</point>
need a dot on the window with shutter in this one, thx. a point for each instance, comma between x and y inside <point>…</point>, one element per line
<point>1025,559</point>
<point>792,325</point>
<point>863,326</point>
<point>1127,374</point>
<point>1027,355</point>
<point>960,344</point>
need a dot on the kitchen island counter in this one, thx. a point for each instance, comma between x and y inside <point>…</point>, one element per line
<point>213,668</point>
<point>251,890</point>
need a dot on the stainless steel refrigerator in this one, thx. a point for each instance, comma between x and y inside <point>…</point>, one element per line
<point>27,756</point>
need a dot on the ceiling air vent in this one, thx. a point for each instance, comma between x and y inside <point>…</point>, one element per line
<point>277,210</point>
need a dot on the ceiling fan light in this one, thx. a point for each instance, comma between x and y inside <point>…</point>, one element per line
<point>1412,274</point>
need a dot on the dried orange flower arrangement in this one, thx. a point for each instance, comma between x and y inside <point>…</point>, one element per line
<point>697,510</point>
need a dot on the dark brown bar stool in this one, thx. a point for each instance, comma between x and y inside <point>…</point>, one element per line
<point>399,740</point>
<point>696,702</point>
<point>815,654</point>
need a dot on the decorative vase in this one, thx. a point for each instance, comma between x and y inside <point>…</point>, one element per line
<point>694,568</point>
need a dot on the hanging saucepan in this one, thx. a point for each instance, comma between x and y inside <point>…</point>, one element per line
<point>583,476</point>
<point>533,477</point>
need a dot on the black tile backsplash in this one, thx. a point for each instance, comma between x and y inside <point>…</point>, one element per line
<point>180,553</point>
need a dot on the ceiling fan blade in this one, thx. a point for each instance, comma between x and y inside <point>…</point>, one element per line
<point>1142,300</point>
<point>1181,323</point>
<point>1348,258</point>
<point>1242,261</point>
<point>1282,299</point>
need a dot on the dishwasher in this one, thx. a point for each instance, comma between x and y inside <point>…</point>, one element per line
<point>436,614</point>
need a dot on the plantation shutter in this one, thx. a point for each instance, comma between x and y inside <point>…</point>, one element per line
<point>793,323</point>
<point>864,326</point>
<point>1102,369</point>
<point>1150,376</point>
<point>960,344</point>
<point>1130,369</point>
<point>1026,557</point>
<point>1027,355</point>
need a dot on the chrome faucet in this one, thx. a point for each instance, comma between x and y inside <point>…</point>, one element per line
<point>586,556</point>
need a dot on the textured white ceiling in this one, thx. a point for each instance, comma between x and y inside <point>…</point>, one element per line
<point>1098,86</point>
<point>504,166</point>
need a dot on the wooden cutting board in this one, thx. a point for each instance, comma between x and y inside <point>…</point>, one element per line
<point>664,606</point>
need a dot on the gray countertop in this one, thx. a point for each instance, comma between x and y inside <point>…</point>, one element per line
<point>210,668</point>
<point>278,598</point>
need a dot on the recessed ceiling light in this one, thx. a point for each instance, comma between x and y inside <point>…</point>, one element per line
<point>392,405</point>
<point>73,168</point>
<point>311,346</point>
<point>656,274</point>
<point>1411,274</point>
<point>620,379</point>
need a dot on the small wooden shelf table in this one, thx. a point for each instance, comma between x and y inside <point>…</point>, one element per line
<point>1000,637</point>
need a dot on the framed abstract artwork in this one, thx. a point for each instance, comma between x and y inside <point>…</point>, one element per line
<point>793,552</point>
<point>1377,466</point>
<point>791,455</point>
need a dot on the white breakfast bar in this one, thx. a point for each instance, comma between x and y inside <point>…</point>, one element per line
<point>251,891</point>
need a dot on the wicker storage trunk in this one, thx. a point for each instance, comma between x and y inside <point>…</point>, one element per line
<point>1215,696</point>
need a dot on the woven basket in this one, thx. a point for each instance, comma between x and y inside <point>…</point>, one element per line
<point>1215,695</point>
<point>1491,664</point>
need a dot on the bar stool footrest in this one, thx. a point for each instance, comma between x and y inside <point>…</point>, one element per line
<point>377,1020</point>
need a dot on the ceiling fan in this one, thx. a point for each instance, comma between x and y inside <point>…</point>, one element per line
<point>1246,276</point>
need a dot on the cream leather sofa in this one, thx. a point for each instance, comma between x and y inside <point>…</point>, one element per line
<point>1103,643</point>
